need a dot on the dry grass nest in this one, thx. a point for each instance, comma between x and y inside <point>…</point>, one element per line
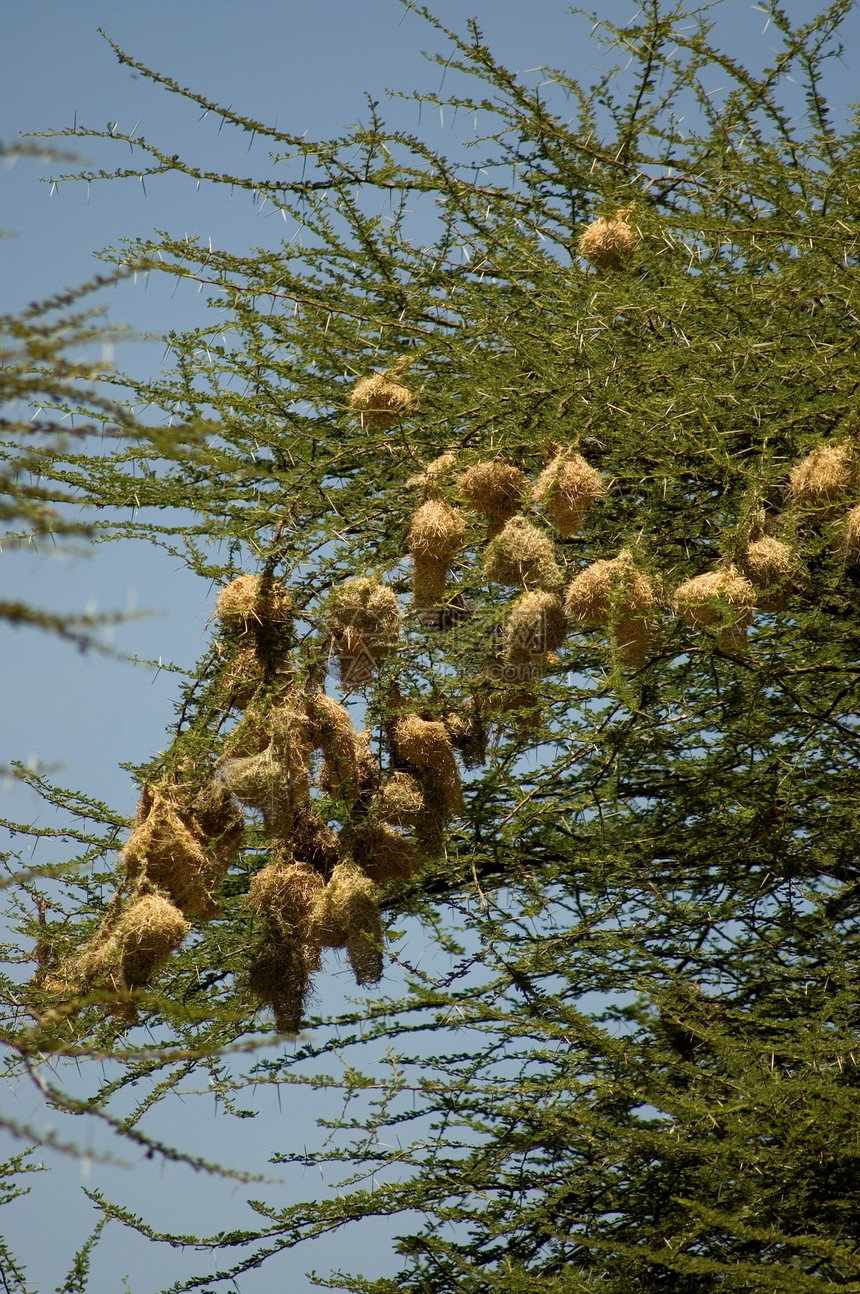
<point>399,800</point>
<point>384,854</point>
<point>346,915</point>
<point>847,542</point>
<point>609,244</point>
<point>722,599</point>
<point>163,851</point>
<point>129,949</point>
<point>613,592</point>
<point>494,489</point>
<point>331,731</point>
<point>275,781</point>
<point>286,893</point>
<point>823,476</point>
<point>247,601</point>
<point>522,555</point>
<point>436,530</point>
<point>380,400</point>
<point>537,624</point>
<point>426,745</point>
<point>279,976</point>
<point>567,488</point>
<point>769,564</point>
<point>365,624</point>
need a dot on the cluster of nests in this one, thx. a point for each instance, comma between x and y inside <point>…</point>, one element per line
<point>612,592</point>
<point>321,887</point>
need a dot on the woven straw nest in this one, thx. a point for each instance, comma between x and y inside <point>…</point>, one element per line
<point>823,476</point>
<point>383,854</point>
<point>380,400</point>
<point>286,893</point>
<point>723,600</point>
<point>847,541</point>
<point>184,854</point>
<point>567,488</point>
<point>468,734</point>
<point>495,490</point>
<point>129,950</point>
<point>275,781</point>
<point>609,244</point>
<point>365,625</point>
<point>537,624</point>
<point>769,564</point>
<point>279,976</point>
<point>436,532</point>
<point>431,478</point>
<point>426,745</point>
<point>399,800</point>
<point>522,556</point>
<point>613,592</point>
<point>248,601</point>
<point>331,731</point>
<point>346,915</point>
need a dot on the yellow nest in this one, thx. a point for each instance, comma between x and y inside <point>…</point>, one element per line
<point>536,625</point>
<point>608,589</point>
<point>469,736</point>
<point>522,555</point>
<point>379,401</point>
<point>848,538</point>
<point>163,851</point>
<point>429,582</point>
<point>285,893</point>
<point>242,678</point>
<point>494,489</point>
<point>365,622</point>
<point>400,800</point>
<point>276,781</point>
<point>245,601</point>
<point>383,854</point>
<point>567,487</point>
<point>768,564</point>
<point>436,531</point>
<point>146,935</point>
<point>609,244</point>
<point>723,600</point>
<point>822,476</point>
<point>331,731</point>
<point>425,744</point>
<point>346,915</point>
<point>433,474</point>
<point>279,976</point>
<point>613,592</point>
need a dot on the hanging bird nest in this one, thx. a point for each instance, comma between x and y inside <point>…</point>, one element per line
<point>164,852</point>
<point>768,564</point>
<point>241,678</point>
<point>331,731</point>
<point>567,488</point>
<point>279,976</point>
<point>148,932</point>
<point>436,530</point>
<point>276,781</point>
<point>536,625</point>
<point>847,543</point>
<point>429,582</point>
<point>285,892</point>
<point>346,915</point>
<point>250,601</point>
<point>380,400</point>
<point>364,616</point>
<point>723,600</point>
<point>383,854</point>
<point>614,593</point>
<point>313,842</point>
<point>522,556</point>
<point>399,801</point>
<point>609,244</point>
<point>426,745</point>
<point>823,476</point>
<point>494,489</point>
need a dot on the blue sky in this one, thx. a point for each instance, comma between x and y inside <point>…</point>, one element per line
<point>305,65</point>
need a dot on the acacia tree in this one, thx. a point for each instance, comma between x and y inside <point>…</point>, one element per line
<point>569,487</point>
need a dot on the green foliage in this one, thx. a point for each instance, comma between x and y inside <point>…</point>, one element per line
<point>632,1059</point>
